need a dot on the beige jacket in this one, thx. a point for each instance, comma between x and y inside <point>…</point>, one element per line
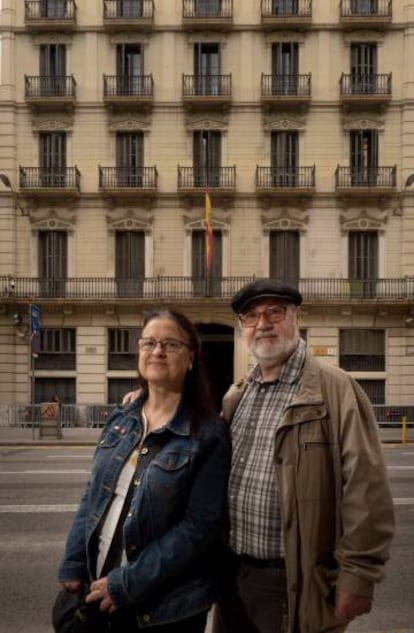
<point>336,502</point>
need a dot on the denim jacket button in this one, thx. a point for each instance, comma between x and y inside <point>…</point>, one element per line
<point>146,617</point>
<point>144,450</point>
<point>137,482</point>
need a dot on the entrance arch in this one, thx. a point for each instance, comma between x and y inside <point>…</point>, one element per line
<point>218,352</point>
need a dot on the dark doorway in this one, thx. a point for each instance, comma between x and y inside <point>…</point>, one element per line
<point>218,352</point>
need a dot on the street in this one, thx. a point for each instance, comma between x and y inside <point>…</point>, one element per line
<point>40,488</point>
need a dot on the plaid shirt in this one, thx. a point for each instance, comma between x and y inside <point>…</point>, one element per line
<point>256,526</point>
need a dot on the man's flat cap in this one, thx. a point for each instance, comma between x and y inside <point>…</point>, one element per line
<point>264,289</point>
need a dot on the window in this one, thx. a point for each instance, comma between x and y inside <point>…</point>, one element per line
<point>364,157</point>
<point>52,159</point>
<point>375,390</point>
<point>118,387</point>
<point>130,262</point>
<point>57,349</point>
<point>52,70</point>
<point>284,255</point>
<point>364,68</point>
<point>129,8</point>
<point>285,7</point>
<point>129,159</point>
<point>52,263</point>
<point>207,158</point>
<point>362,349</point>
<point>363,262</point>
<point>207,69</point>
<point>201,284</point>
<point>122,352</point>
<point>207,8</point>
<point>285,68</point>
<point>64,388</point>
<point>284,153</point>
<point>129,70</point>
<point>53,8</point>
<point>364,7</point>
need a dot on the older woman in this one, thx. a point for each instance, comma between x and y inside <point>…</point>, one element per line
<point>144,537</point>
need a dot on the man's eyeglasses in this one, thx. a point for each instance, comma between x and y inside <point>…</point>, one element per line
<point>168,345</point>
<point>272,314</point>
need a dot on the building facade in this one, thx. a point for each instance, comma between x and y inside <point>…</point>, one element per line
<point>116,116</point>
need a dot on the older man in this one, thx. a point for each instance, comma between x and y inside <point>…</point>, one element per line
<point>310,509</point>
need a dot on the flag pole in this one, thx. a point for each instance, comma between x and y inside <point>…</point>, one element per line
<point>209,239</point>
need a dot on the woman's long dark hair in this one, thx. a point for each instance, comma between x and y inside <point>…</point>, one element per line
<point>197,393</point>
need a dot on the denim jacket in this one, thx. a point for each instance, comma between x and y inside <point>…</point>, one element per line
<point>175,520</point>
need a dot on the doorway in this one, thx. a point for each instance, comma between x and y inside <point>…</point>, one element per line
<point>218,353</point>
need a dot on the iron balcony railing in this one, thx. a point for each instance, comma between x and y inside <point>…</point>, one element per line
<point>124,9</point>
<point>370,84</point>
<point>43,87</point>
<point>50,10</point>
<point>365,8</point>
<point>193,9</point>
<point>49,177</point>
<point>175,288</point>
<point>199,177</point>
<point>286,8</point>
<point>377,177</point>
<point>206,85</point>
<point>286,85</point>
<point>275,177</point>
<point>128,86</point>
<point>128,177</point>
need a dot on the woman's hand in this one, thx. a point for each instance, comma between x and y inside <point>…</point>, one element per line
<point>131,396</point>
<point>99,591</point>
<point>72,586</point>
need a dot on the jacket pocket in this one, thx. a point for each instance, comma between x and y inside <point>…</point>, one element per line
<point>315,477</point>
<point>169,484</point>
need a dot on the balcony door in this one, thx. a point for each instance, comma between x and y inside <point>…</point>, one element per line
<point>364,7</point>
<point>285,7</point>
<point>129,159</point>
<point>363,68</point>
<point>284,256</point>
<point>207,158</point>
<point>52,70</point>
<point>207,69</point>
<point>363,262</point>
<point>202,285</point>
<point>364,157</point>
<point>129,69</point>
<point>53,262</point>
<point>130,262</point>
<point>284,152</point>
<point>129,9</point>
<point>53,8</point>
<point>52,159</point>
<point>207,8</point>
<point>285,68</point>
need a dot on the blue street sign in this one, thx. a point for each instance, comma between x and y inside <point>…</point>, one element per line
<point>34,313</point>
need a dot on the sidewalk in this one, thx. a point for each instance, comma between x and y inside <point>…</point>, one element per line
<point>83,436</point>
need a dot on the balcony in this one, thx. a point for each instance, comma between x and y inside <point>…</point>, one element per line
<point>50,15</point>
<point>135,91</point>
<point>281,91</point>
<point>125,182</point>
<point>49,181</point>
<point>286,14</point>
<point>285,181</point>
<point>365,89</point>
<point>207,15</point>
<point>326,291</point>
<point>125,15</point>
<point>366,181</point>
<point>50,92</point>
<point>206,91</point>
<point>221,181</point>
<point>365,14</point>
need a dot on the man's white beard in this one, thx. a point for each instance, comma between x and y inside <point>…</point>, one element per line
<point>276,352</point>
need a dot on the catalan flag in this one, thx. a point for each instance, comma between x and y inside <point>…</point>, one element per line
<point>209,235</point>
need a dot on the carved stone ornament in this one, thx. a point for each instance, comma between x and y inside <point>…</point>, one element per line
<point>52,38</point>
<point>199,225</point>
<point>129,37</point>
<point>130,221</point>
<point>285,36</point>
<point>283,221</point>
<point>129,125</point>
<point>207,36</point>
<point>364,36</point>
<point>283,124</point>
<point>63,124</point>
<point>363,124</point>
<point>207,124</point>
<point>54,222</point>
<point>363,221</point>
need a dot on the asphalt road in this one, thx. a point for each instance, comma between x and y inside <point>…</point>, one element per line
<point>40,488</point>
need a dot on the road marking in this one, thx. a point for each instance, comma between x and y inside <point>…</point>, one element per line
<point>400,467</point>
<point>45,472</point>
<point>69,507</point>
<point>403,501</point>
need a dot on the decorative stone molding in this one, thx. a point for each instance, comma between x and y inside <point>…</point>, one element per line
<point>53,221</point>
<point>194,221</point>
<point>129,124</point>
<point>131,220</point>
<point>207,37</point>
<point>282,124</point>
<point>63,124</point>
<point>129,37</point>
<point>363,221</point>
<point>208,124</point>
<point>363,124</point>
<point>364,36</point>
<point>52,38</point>
<point>285,36</point>
<point>282,220</point>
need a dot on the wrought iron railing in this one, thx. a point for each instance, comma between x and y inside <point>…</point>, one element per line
<point>365,8</point>
<point>163,288</point>
<point>213,177</point>
<point>377,177</point>
<point>370,84</point>
<point>124,9</point>
<point>128,177</point>
<point>128,86</point>
<point>50,10</point>
<point>42,86</point>
<point>193,9</point>
<point>286,8</point>
<point>49,177</point>
<point>286,85</point>
<point>206,85</point>
<point>274,177</point>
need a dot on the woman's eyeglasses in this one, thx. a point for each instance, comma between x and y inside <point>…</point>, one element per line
<point>272,314</point>
<point>168,345</point>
